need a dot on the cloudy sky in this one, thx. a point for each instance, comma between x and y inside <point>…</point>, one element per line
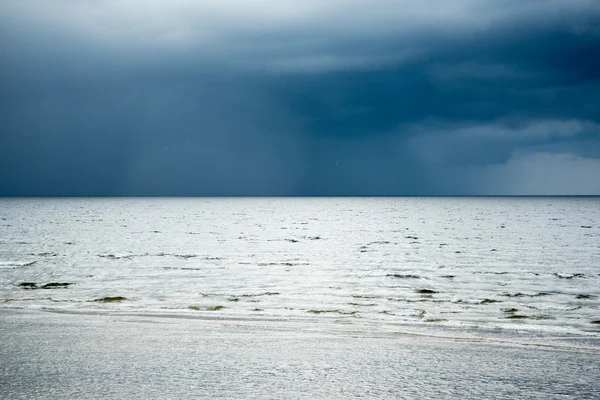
<point>303,97</point>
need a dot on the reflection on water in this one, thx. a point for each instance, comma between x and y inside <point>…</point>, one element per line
<point>477,265</point>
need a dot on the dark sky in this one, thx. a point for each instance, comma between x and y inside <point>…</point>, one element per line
<point>304,97</point>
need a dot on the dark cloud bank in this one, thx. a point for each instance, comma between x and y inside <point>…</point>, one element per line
<point>311,98</point>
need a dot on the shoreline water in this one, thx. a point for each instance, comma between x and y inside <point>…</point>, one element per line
<point>66,355</point>
<point>344,328</point>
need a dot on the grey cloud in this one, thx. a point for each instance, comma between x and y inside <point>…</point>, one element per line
<point>307,97</point>
<point>474,71</point>
<point>274,31</point>
<point>498,142</point>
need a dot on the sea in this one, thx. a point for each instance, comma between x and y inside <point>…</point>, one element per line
<point>522,270</point>
<point>300,298</point>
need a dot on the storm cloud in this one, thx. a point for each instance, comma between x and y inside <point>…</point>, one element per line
<point>267,97</point>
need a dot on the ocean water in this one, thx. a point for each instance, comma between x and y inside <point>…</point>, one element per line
<point>507,270</point>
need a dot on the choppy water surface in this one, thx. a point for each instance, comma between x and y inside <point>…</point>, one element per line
<point>520,269</point>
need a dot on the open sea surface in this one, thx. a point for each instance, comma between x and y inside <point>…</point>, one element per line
<point>522,270</point>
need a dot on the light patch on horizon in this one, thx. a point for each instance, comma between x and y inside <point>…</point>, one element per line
<point>538,174</point>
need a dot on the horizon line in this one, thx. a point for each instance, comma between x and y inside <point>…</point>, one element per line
<point>301,196</point>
